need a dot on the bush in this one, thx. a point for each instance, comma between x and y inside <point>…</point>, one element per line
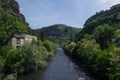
<point>114,70</point>
<point>30,57</point>
<point>36,53</point>
<point>2,63</point>
<point>69,48</point>
<point>103,35</point>
<point>11,77</point>
<point>88,50</point>
<point>103,63</point>
<point>49,46</point>
<point>10,56</point>
<point>33,54</point>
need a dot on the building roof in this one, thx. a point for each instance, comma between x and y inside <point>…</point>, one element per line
<point>23,36</point>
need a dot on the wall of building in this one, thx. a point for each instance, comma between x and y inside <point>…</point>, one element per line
<point>18,40</point>
<point>15,44</point>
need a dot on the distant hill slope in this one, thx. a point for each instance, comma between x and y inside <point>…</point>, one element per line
<point>103,17</point>
<point>59,31</point>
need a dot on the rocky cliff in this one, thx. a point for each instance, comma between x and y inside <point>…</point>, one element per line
<point>11,21</point>
<point>12,7</point>
<point>103,17</point>
<point>103,13</point>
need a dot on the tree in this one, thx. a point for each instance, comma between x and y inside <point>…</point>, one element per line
<point>42,36</point>
<point>103,35</point>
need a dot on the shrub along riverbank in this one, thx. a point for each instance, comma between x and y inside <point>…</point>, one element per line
<point>31,57</point>
<point>102,63</point>
<point>98,44</point>
<point>100,54</point>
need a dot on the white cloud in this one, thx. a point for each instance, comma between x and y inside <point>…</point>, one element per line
<point>106,4</point>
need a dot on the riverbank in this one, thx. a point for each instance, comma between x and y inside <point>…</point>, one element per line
<point>33,75</point>
<point>101,63</point>
<point>85,68</point>
<point>61,67</point>
<point>29,58</point>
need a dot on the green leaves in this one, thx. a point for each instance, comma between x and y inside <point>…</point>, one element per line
<point>98,44</point>
<point>114,69</point>
<point>10,25</point>
<point>48,45</point>
<point>36,53</point>
<point>32,56</point>
<point>103,35</point>
<point>103,63</point>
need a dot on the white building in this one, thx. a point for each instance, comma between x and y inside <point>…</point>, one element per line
<point>18,40</point>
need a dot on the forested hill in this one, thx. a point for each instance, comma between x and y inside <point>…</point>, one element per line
<point>103,13</point>
<point>11,21</point>
<point>59,31</point>
<point>103,17</point>
<point>98,44</point>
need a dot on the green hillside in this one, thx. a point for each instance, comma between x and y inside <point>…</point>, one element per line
<point>103,17</point>
<point>11,21</point>
<point>30,57</point>
<point>98,44</point>
<point>59,32</point>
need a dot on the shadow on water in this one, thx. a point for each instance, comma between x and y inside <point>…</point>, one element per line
<point>61,67</point>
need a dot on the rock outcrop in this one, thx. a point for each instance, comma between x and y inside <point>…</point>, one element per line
<point>12,7</point>
<point>113,10</point>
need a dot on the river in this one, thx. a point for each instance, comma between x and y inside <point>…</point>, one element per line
<point>61,67</point>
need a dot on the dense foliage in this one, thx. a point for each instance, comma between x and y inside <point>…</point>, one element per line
<point>58,33</point>
<point>30,57</point>
<point>112,20</point>
<point>103,63</point>
<point>9,25</point>
<point>97,45</point>
<point>109,16</point>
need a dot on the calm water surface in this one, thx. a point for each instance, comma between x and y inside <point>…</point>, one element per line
<point>60,68</point>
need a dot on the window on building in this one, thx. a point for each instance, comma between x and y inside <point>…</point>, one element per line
<point>33,39</point>
<point>18,47</point>
<point>18,40</point>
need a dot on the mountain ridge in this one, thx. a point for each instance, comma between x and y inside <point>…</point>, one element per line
<point>59,31</point>
<point>103,17</point>
<point>103,13</point>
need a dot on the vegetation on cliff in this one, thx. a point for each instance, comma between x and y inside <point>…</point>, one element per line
<point>30,57</point>
<point>97,44</point>
<point>9,25</point>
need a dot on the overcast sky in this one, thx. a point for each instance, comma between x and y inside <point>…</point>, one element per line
<point>42,13</point>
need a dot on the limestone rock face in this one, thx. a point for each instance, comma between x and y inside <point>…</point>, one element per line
<point>12,7</point>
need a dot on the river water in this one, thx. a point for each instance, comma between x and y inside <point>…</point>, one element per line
<point>61,67</point>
